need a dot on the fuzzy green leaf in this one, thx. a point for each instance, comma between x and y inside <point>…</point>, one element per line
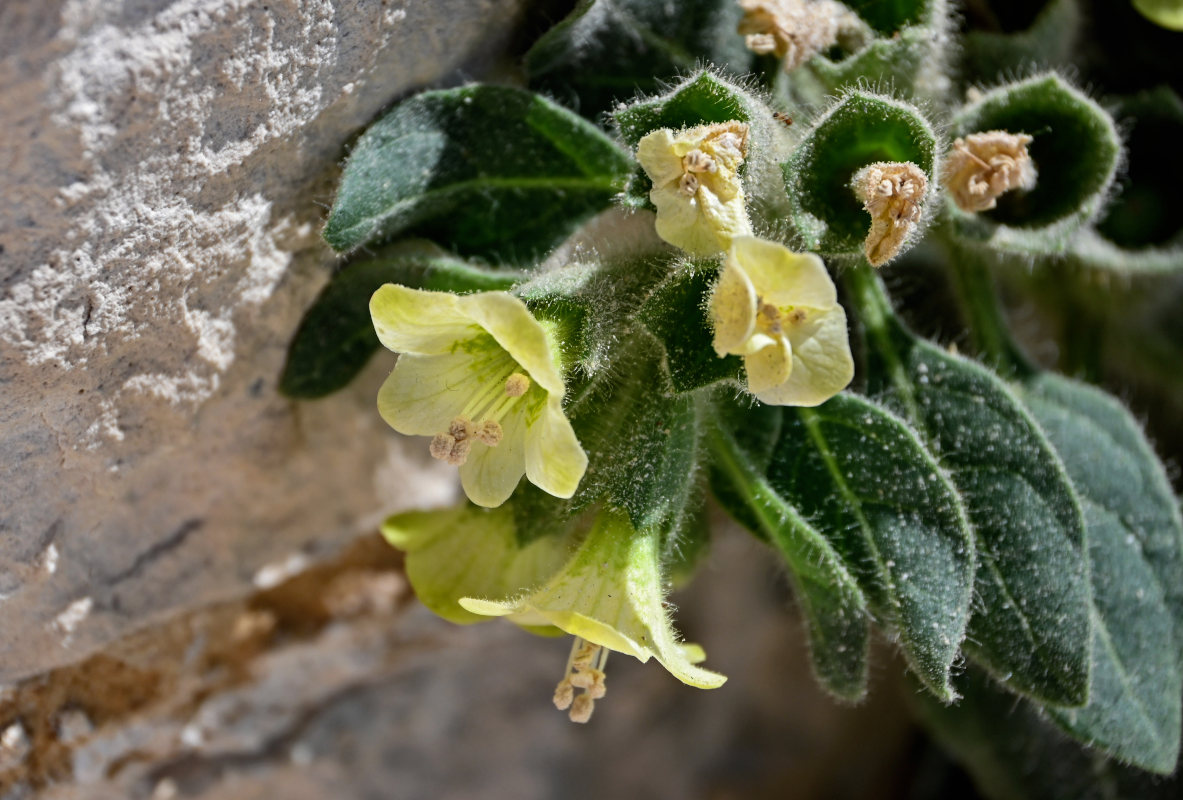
<point>641,440</point>
<point>1014,753</point>
<point>861,476</point>
<point>1031,624</point>
<point>487,170</point>
<point>676,315</point>
<point>1075,149</point>
<point>859,129</point>
<point>607,51</point>
<point>889,16</point>
<point>1049,41</point>
<point>835,608</point>
<point>336,337</point>
<point>1136,547</point>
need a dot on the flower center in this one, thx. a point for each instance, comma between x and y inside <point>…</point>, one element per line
<point>585,671</point>
<point>480,420</point>
<point>772,320</point>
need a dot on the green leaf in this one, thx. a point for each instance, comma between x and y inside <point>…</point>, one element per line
<point>889,16</point>
<point>859,129</point>
<point>1076,149</point>
<point>607,51</point>
<point>834,607</point>
<point>861,476</point>
<point>641,440</point>
<point>676,314</point>
<point>486,170</point>
<point>1014,753</point>
<point>1031,624</point>
<point>1136,547</point>
<point>700,100</point>
<point>336,337</point>
<point>904,49</point>
<point>1050,41</point>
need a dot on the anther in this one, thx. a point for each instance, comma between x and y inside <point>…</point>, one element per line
<point>490,433</point>
<point>585,672</point>
<point>564,695</point>
<point>582,708</point>
<point>516,385</point>
<point>698,161</point>
<point>688,184</point>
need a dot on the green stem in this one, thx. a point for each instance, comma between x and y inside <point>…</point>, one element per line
<point>870,299</point>
<point>989,330</point>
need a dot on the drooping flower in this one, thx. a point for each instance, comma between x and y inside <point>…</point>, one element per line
<point>792,30</point>
<point>982,166</point>
<point>481,376</point>
<point>893,194</point>
<point>609,596</point>
<point>469,551</point>
<point>779,310</point>
<point>696,185</point>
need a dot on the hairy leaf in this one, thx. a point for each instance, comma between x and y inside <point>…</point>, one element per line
<point>607,51</point>
<point>1136,547</point>
<point>676,314</point>
<point>835,608</point>
<point>1031,624</point>
<point>1014,753</point>
<point>485,170</point>
<point>862,477</point>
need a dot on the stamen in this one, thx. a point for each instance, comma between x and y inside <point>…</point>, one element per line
<point>582,708</point>
<point>516,385</point>
<point>585,671</point>
<point>490,433</point>
<point>698,161</point>
<point>688,184</point>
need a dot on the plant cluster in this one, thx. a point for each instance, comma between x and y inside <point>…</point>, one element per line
<point>653,277</point>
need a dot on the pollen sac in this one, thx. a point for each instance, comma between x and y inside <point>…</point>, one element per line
<point>982,166</point>
<point>893,194</point>
<point>792,30</point>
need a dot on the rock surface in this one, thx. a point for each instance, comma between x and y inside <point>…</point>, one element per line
<point>164,168</point>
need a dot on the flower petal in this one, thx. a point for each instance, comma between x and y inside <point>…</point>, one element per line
<point>610,593</point>
<point>781,276</point>
<point>511,324</point>
<point>657,155</point>
<point>822,364</point>
<point>417,321</point>
<point>555,461</point>
<point>733,310</point>
<point>455,552</point>
<point>490,474</point>
<point>726,217</point>
<point>769,367</point>
<point>425,393</point>
<point>680,222</point>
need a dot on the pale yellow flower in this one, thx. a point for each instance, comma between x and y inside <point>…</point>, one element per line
<point>779,310</point>
<point>610,596</point>
<point>463,551</point>
<point>792,30</point>
<point>696,185</point>
<point>481,376</point>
